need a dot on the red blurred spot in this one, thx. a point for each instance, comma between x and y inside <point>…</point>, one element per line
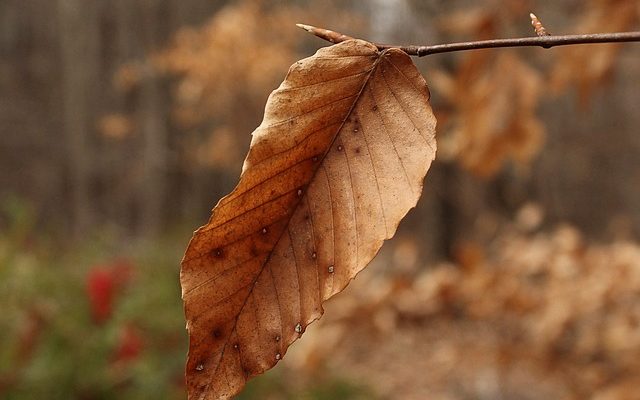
<point>100,287</point>
<point>129,346</point>
<point>102,284</point>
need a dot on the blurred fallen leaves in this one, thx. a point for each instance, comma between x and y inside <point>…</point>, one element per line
<point>533,316</point>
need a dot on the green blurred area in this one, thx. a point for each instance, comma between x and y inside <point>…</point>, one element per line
<point>54,348</point>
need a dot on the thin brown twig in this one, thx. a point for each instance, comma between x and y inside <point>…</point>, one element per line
<point>541,41</point>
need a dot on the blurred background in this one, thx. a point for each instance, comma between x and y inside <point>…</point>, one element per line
<point>517,276</point>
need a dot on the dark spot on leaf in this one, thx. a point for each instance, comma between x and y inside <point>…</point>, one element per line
<point>217,333</point>
<point>217,252</point>
<point>374,108</point>
<point>357,150</point>
<point>254,251</point>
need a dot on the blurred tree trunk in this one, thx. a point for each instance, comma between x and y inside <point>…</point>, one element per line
<point>79,43</point>
<point>154,130</point>
<point>154,157</point>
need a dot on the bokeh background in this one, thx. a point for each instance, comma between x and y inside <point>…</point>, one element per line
<point>517,277</point>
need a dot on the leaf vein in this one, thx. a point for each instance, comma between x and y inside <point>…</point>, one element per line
<point>233,241</point>
<point>375,176</point>
<point>295,262</point>
<point>293,88</point>
<point>315,248</point>
<point>284,121</point>
<point>353,198</point>
<point>263,203</point>
<point>421,134</point>
<point>275,289</point>
<point>384,128</point>
<point>333,232</point>
<point>222,300</point>
<point>216,277</point>
<point>304,139</point>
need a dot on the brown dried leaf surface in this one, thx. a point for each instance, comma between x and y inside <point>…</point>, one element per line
<point>337,162</point>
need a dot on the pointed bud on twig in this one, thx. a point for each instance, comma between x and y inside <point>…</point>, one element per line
<point>326,34</point>
<point>537,25</point>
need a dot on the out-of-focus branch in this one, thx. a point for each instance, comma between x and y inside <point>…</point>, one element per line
<point>545,41</point>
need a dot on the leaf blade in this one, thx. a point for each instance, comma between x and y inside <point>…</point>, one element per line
<point>317,197</point>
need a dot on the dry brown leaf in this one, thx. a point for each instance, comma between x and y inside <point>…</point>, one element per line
<point>337,162</point>
<point>495,119</point>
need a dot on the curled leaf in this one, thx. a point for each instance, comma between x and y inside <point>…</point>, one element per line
<point>337,162</point>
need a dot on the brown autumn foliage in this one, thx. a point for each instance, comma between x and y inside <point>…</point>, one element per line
<point>588,67</point>
<point>337,162</point>
<point>250,45</point>
<point>534,315</point>
<point>226,47</point>
<point>495,101</point>
<point>232,45</point>
<point>493,96</point>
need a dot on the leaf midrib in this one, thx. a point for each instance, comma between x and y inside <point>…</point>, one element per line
<point>294,208</point>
